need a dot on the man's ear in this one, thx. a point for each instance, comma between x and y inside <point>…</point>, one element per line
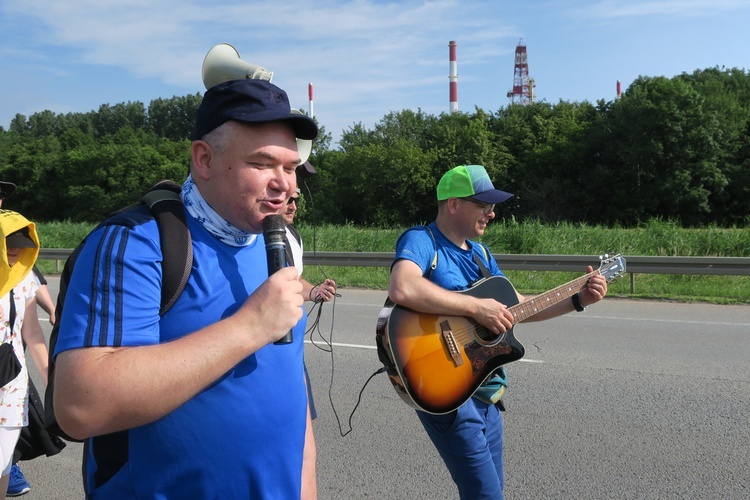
<point>452,204</point>
<point>202,155</point>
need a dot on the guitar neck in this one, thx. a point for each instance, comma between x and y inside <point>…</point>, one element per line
<point>533,306</point>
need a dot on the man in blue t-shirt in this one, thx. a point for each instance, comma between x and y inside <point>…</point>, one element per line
<point>470,438</point>
<point>199,402</point>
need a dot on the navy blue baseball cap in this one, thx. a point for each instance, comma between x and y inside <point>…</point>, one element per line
<point>249,101</point>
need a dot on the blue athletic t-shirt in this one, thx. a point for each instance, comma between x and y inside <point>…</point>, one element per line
<point>456,268</point>
<point>241,437</point>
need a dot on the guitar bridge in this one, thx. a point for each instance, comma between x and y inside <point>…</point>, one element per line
<point>450,343</point>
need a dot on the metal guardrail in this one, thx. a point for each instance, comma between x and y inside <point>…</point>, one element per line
<point>58,254</point>
<point>716,266</point>
<point>738,266</point>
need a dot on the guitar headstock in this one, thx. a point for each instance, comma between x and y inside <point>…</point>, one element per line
<point>612,267</point>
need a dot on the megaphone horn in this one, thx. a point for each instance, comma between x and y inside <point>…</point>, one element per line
<point>223,63</point>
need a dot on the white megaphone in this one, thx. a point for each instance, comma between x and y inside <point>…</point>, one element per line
<point>223,63</point>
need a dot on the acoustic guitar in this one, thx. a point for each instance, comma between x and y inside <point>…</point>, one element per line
<point>436,362</point>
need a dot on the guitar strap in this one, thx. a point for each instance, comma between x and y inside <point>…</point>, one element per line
<point>482,268</point>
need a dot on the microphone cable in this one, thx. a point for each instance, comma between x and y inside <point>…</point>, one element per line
<point>314,228</point>
<point>315,327</point>
<point>328,343</point>
<point>318,303</point>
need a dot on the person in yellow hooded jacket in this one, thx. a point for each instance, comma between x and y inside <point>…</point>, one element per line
<point>19,249</point>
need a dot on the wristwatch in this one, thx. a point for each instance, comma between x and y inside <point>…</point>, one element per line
<point>577,303</point>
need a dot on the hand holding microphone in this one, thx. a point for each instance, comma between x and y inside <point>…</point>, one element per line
<point>274,232</point>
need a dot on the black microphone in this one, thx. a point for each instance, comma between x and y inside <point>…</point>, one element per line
<point>274,232</point>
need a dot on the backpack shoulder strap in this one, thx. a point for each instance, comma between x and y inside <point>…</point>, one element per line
<point>11,312</point>
<point>435,257</point>
<point>287,248</point>
<point>433,265</point>
<point>164,203</point>
<point>295,233</point>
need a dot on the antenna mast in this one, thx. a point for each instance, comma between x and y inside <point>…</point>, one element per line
<point>523,86</point>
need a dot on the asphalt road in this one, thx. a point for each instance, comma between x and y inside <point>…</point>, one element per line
<point>630,399</point>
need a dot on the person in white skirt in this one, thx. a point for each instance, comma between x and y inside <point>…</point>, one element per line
<point>19,323</point>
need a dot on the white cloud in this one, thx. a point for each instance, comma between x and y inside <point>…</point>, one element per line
<point>364,57</point>
<point>618,9</point>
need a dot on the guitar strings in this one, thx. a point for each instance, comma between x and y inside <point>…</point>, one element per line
<point>526,309</point>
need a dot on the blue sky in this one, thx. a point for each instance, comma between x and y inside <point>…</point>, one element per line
<point>365,58</point>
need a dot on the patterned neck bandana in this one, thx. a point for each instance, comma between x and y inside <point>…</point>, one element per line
<point>215,224</point>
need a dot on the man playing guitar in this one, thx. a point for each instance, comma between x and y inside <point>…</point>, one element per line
<point>469,438</point>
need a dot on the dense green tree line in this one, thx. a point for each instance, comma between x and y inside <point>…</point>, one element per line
<point>672,148</point>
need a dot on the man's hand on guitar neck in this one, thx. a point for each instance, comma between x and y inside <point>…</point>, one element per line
<point>596,289</point>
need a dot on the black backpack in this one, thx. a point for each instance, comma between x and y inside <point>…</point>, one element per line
<point>162,203</point>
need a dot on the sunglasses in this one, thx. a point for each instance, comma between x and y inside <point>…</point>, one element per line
<point>293,200</point>
<point>487,208</point>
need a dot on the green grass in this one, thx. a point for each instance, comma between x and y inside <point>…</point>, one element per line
<point>511,237</point>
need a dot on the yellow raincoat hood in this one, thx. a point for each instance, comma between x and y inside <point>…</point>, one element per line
<point>10,222</point>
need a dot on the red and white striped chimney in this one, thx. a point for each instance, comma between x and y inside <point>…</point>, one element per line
<point>453,77</point>
<point>310,97</point>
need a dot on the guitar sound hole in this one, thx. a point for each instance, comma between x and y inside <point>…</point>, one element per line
<point>485,336</point>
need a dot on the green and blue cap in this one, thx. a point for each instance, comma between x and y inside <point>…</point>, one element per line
<point>470,181</point>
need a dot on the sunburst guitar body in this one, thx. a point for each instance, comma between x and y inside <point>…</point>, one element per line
<point>437,362</point>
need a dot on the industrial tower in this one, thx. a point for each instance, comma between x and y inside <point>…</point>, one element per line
<point>453,77</point>
<point>523,86</point>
